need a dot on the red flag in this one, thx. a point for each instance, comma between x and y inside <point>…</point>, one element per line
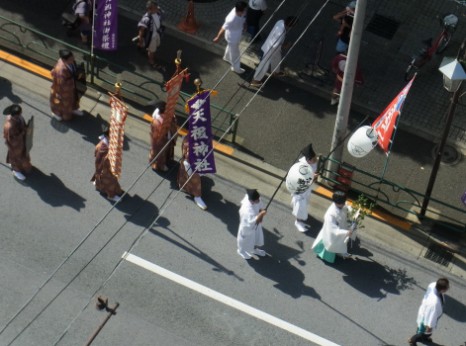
<point>385,123</point>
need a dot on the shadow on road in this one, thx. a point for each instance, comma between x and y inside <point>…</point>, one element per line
<point>52,190</point>
<point>370,277</point>
<point>6,90</point>
<point>455,309</point>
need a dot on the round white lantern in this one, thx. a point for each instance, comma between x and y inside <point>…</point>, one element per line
<point>362,141</point>
<point>299,177</point>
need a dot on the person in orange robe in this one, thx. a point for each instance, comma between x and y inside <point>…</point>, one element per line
<point>14,132</point>
<point>103,178</point>
<point>64,100</point>
<point>162,129</point>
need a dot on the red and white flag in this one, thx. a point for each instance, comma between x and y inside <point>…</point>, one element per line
<point>386,122</point>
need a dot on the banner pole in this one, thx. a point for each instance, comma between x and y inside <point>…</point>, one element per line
<point>92,40</point>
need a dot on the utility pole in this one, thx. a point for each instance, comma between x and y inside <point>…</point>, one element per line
<point>341,121</point>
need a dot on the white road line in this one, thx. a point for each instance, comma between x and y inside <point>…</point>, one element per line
<point>261,315</point>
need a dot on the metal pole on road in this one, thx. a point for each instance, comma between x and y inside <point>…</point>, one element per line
<point>453,83</point>
<point>341,121</point>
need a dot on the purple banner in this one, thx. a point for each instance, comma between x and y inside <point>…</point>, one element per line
<point>106,24</point>
<point>463,198</point>
<point>201,154</point>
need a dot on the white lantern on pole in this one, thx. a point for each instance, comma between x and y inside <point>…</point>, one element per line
<point>299,177</point>
<point>362,141</point>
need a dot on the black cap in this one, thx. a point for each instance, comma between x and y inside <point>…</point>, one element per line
<point>12,110</point>
<point>105,130</point>
<point>308,152</point>
<point>339,197</point>
<point>161,106</point>
<point>65,53</point>
<point>253,195</point>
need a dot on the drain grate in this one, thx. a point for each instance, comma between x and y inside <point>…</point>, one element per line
<point>383,26</point>
<point>439,254</point>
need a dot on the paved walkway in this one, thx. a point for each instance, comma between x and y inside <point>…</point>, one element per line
<point>383,60</point>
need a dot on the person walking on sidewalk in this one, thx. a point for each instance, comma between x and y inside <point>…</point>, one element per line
<point>345,18</point>
<point>272,51</point>
<point>187,179</point>
<point>103,178</point>
<point>64,99</point>
<point>300,201</point>
<point>338,67</point>
<point>83,9</point>
<point>256,9</point>
<point>162,128</point>
<point>14,132</point>
<point>430,311</point>
<point>149,29</point>
<point>233,28</point>
<point>250,234</point>
<point>336,228</point>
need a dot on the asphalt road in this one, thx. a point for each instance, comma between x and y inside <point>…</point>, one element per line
<point>371,300</point>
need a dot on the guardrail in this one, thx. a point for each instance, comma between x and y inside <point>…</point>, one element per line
<point>396,199</point>
<point>136,87</point>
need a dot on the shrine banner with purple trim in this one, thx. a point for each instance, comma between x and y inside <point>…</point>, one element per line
<point>106,25</point>
<point>201,153</point>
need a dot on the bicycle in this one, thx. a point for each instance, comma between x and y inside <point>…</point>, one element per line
<point>448,23</point>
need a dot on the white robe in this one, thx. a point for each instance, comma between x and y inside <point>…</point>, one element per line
<point>250,234</point>
<point>334,229</point>
<point>431,308</point>
<point>233,31</point>
<point>300,201</point>
<point>272,51</point>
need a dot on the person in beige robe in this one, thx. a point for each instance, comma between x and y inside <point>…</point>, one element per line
<point>185,172</point>
<point>64,100</point>
<point>14,132</point>
<point>103,178</point>
<point>162,129</point>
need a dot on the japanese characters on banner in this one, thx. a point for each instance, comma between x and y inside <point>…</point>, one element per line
<point>385,123</point>
<point>201,154</point>
<point>106,24</point>
<point>117,134</point>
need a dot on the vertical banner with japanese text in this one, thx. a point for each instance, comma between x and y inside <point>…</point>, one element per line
<point>105,24</point>
<point>201,154</point>
<point>117,134</point>
<point>385,123</point>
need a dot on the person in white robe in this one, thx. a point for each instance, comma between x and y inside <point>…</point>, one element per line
<point>272,51</point>
<point>250,235</point>
<point>300,201</point>
<point>336,228</point>
<point>233,28</point>
<point>430,311</point>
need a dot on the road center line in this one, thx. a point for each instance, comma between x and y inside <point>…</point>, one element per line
<point>261,315</point>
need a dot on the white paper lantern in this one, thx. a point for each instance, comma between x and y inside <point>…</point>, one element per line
<point>362,141</point>
<point>299,177</point>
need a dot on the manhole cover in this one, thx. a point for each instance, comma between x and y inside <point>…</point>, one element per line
<point>439,254</point>
<point>451,156</point>
<point>383,26</point>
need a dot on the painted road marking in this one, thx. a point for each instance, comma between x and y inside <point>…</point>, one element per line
<point>236,304</point>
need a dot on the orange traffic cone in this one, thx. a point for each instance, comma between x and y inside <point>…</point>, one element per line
<point>189,24</point>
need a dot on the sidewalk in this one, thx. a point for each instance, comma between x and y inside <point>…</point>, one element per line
<point>381,230</point>
<point>383,60</point>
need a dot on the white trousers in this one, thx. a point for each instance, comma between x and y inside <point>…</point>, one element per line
<point>232,55</point>
<point>270,60</point>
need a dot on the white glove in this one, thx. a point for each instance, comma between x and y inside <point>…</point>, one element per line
<point>187,167</point>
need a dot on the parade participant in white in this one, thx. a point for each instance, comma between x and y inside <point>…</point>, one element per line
<point>336,228</point>
<point>250,234</point>
<point>300,198</point>
<point>233,29</point>
<point>272,49</point>
<point>430,311</point>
